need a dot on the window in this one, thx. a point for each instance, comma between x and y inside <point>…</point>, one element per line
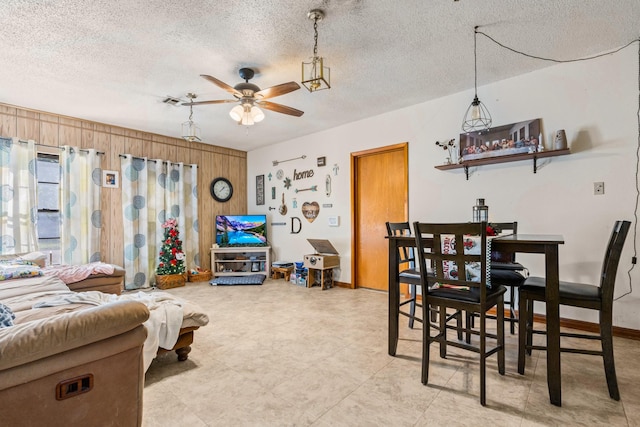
<point>48,176</point>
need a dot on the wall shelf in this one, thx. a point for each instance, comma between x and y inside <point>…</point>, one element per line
<point>503,159</point>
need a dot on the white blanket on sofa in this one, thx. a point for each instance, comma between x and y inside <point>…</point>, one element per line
<point>163,326</point>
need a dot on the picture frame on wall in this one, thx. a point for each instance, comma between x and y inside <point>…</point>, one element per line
<point>260,190</point>
<point>110,179</point>
<point>515,138</point>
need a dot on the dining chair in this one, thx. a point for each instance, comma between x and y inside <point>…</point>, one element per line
<point>410,275</point>
<point>456,255</point>
<point>506,271</point>
<point>582,295</point>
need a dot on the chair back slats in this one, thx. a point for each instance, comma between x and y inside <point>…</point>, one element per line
<point>441,250</point>
<point>402,229</point>
<point>612,259</point>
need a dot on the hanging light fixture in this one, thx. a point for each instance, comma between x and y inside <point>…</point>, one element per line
<point>477,117</point>
<point>246,114</point>
<point>315,76</point>
<point>190,131</point>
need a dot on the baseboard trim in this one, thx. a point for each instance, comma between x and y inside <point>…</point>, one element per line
<point>342,284</point>
<point>581,325</point>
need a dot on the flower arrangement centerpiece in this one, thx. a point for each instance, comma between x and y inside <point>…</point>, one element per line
<point>170,271</point>
<point>449,146</point>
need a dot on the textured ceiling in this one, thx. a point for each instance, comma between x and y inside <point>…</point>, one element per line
<point>114,62</point>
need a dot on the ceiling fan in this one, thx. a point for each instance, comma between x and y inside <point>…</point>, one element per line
<point>251,97</point>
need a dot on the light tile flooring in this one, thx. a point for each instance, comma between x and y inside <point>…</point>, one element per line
<point>283,355</point>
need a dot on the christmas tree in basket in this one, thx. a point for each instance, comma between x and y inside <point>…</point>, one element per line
<point>170,271</point>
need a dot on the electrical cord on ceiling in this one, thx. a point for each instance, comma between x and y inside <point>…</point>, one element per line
<point>637,172</point>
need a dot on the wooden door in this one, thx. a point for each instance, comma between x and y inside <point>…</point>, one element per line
<point>379,181</point>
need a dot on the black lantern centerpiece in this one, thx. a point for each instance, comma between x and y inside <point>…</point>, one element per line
<point>480,211</point>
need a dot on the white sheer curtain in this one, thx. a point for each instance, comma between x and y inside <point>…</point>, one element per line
<point>153,191</point>
<point>18,196</point>
<point>80,186</point>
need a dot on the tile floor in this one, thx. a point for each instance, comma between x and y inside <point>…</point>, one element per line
<point>283,355</point>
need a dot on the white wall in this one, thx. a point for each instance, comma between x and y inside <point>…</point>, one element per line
<point>595,102</point>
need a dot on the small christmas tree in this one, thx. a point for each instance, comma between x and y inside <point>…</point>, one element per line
<point>171,255</point>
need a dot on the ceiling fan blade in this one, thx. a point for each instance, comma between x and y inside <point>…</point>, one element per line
<point>279,108</point>
<point>277,90</point>
<point>223,85</point>
<point>217,101</point>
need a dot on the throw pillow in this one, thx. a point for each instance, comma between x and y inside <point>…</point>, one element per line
<point>6,316</point>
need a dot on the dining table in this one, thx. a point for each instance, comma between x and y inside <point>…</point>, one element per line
<point>544,244</point>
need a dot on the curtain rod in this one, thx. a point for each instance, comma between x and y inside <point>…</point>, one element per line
<point>124,156</point>
<point>59,148</point>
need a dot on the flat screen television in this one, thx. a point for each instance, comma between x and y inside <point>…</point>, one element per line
<point>241,230</point>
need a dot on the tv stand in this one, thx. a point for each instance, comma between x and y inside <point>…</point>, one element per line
<point>240,260</point>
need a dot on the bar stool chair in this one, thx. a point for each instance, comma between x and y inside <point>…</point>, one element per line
<point>409,275</point>
<point>583,295</point>
<point>506,271</point>
<point>457,255</point>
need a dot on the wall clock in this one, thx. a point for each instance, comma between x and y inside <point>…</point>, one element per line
<point>221,189</point>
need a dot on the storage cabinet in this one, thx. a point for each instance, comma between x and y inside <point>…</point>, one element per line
<point>240,261</point>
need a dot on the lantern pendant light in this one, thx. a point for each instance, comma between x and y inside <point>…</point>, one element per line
<point>477,117</point>
<point>190,131</point>
<point>315,76</point>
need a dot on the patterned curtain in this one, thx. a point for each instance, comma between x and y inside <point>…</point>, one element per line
<point>81,215</point>
<point>152,192</point>
<point>18,197</point>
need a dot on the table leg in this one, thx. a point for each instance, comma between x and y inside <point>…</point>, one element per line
<point>552,297</point>
<point>394,298</point>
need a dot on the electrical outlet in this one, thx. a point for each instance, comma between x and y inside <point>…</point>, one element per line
<point>598,188</point>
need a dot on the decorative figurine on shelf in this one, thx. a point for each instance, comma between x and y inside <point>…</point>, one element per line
<point>170,271</point>
<point>450,147</point>
<point>540,144</point>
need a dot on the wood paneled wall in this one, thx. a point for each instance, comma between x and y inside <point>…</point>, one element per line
<point>56,130</point>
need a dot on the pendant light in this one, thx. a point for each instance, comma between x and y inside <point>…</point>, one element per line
<point>190,131</point>
<point>315,76</point>
<point>477,117</point>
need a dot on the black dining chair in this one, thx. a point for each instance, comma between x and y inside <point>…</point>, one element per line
<point>456,256</point>
<point>506,271</point>
<point>409,275</point>
<point>582,295</point>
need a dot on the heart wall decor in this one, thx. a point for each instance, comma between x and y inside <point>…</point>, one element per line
<point>310,210</point>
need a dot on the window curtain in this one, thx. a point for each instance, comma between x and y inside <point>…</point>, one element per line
<point>18,197</point>
<point>153,191</point>
<point>80,186</point>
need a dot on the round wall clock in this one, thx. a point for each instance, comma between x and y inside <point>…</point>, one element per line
<point>221,189</point>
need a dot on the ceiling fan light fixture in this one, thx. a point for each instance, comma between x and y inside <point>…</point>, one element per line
<point>190,131</point>
<point>315,76</point>
<point>246,114</point>
<point>477,118</point>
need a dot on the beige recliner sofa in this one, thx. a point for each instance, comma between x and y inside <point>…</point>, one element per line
<point>68,366</point>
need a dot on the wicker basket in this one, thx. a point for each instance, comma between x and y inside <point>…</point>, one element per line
<point>167,281</point>
<point>203,276</point>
